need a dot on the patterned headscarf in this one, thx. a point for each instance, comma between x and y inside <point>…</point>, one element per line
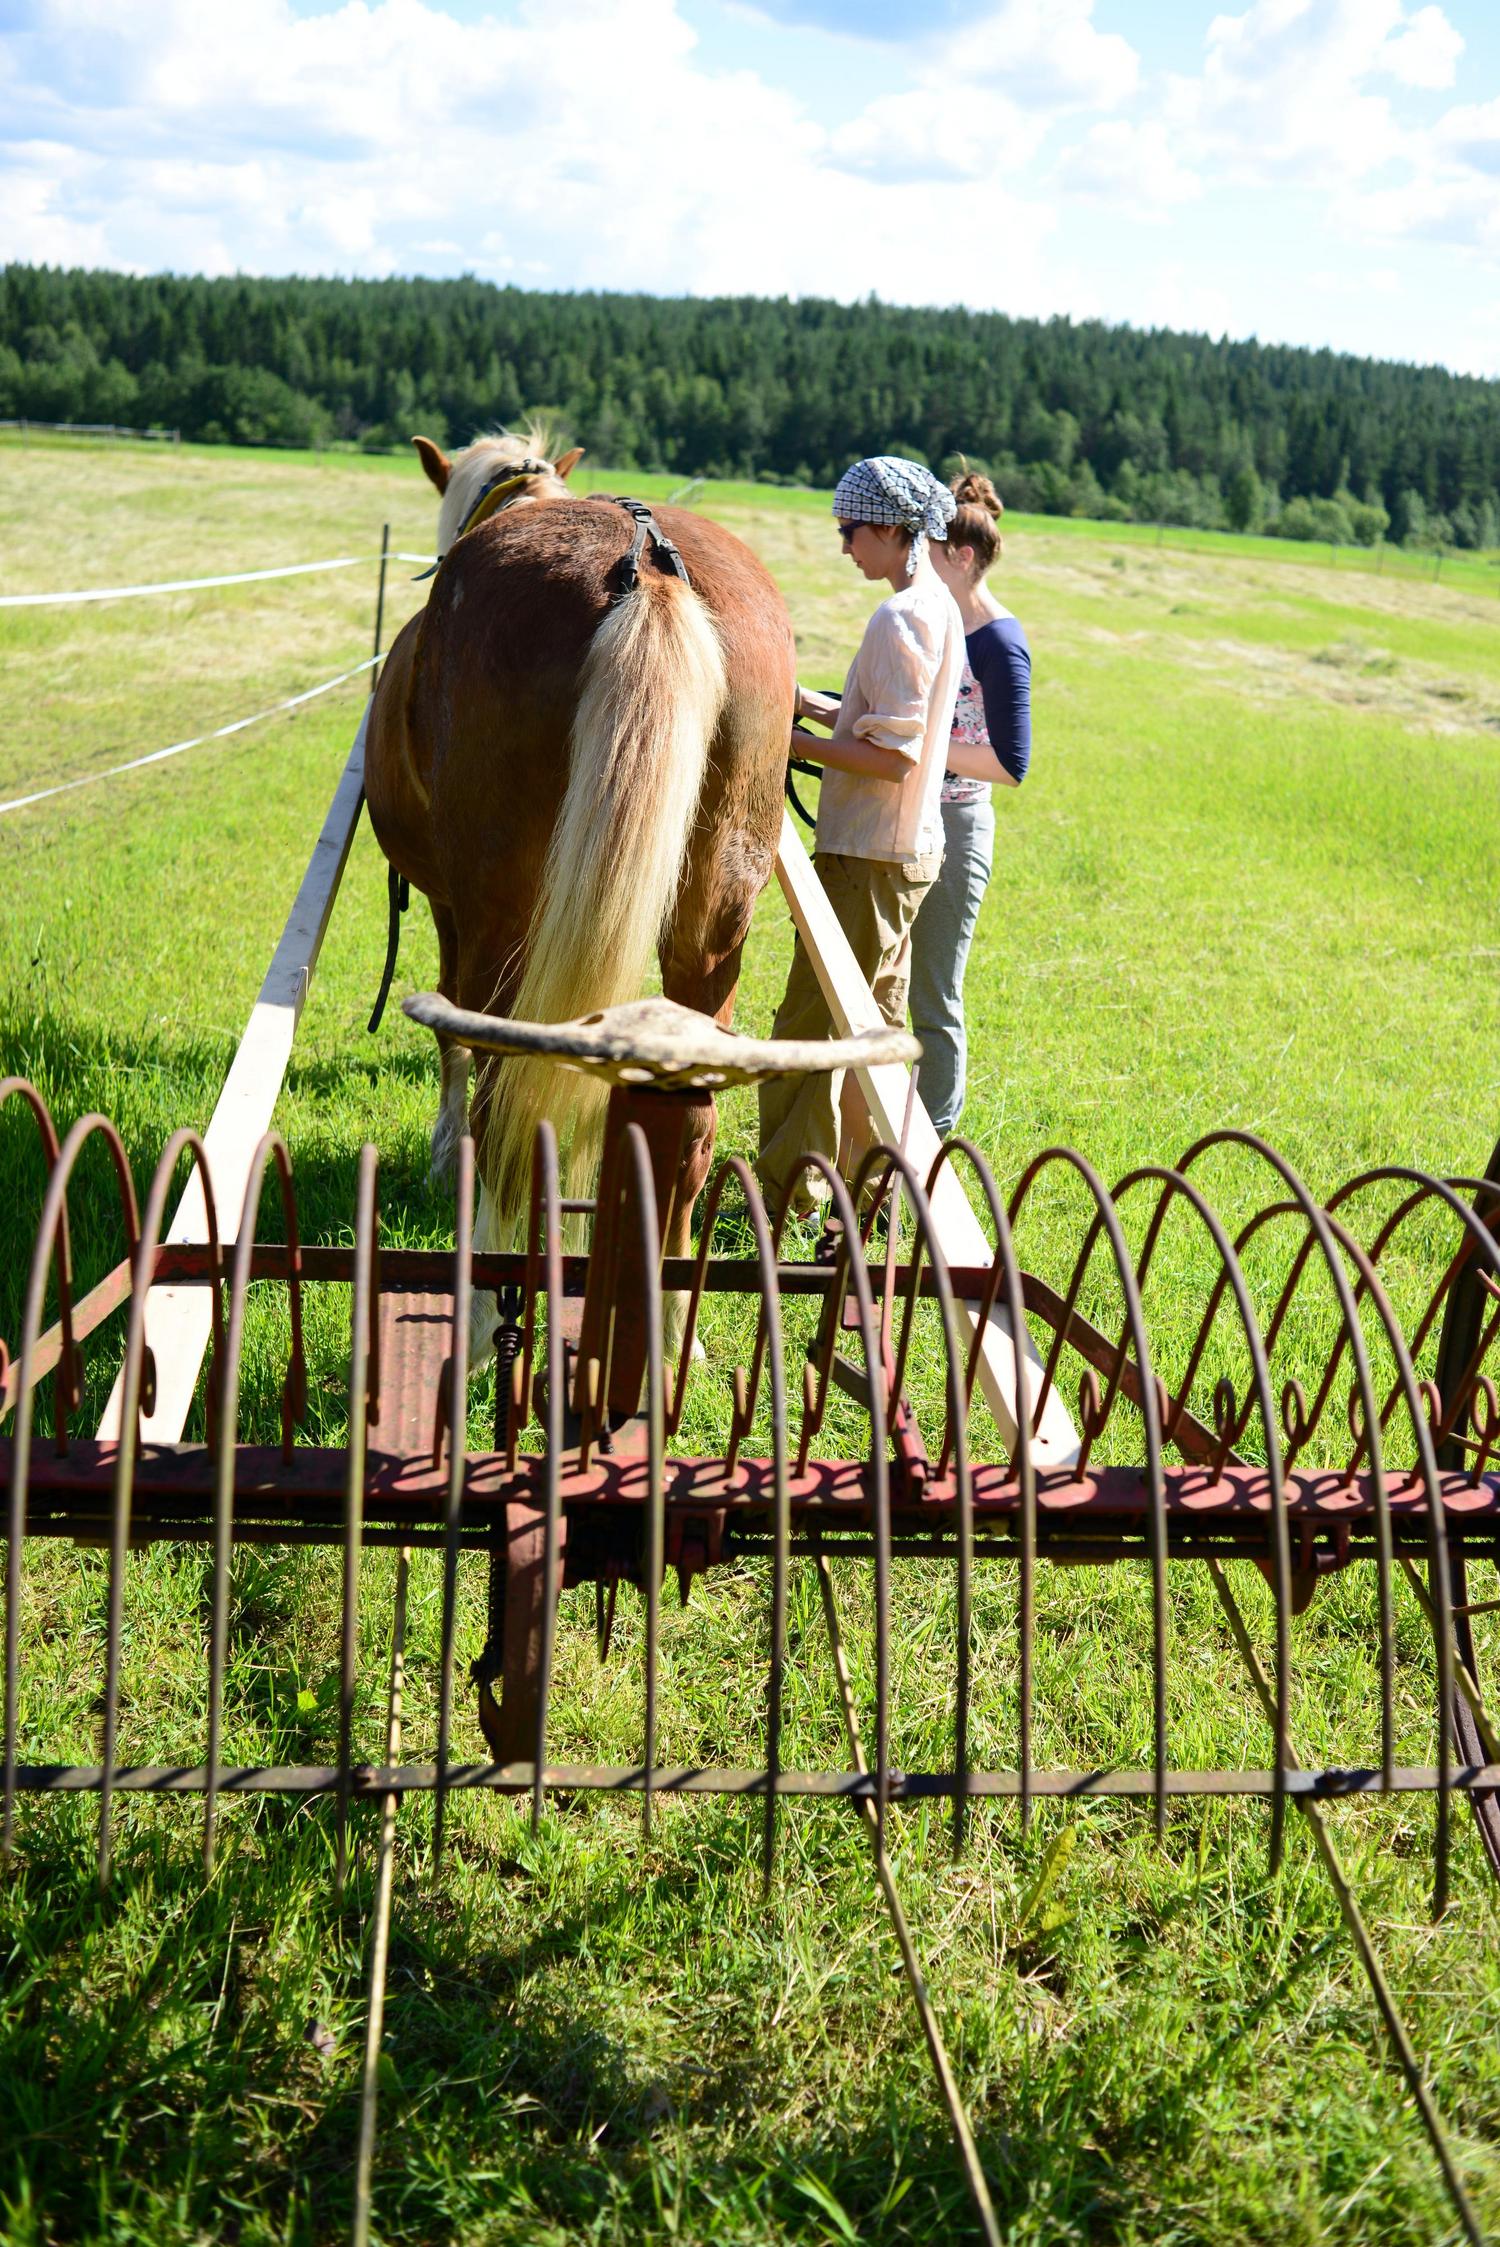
<point>892,491</point>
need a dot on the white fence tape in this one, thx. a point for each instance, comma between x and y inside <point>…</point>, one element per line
<point>192,584</point>
<point>220,733</point>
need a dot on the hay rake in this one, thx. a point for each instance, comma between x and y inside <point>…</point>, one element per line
<point>1195,1448</point>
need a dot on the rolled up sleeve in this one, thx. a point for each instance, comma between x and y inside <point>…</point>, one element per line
<point>897,667</point>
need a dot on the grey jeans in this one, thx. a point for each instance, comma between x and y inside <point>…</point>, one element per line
<point>939,954</point>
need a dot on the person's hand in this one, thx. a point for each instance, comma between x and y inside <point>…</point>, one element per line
<point>823,709</point>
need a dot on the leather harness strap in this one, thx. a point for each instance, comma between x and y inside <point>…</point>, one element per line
<point>646,526</point>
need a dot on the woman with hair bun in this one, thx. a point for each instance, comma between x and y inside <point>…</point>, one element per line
<point>991,745</point>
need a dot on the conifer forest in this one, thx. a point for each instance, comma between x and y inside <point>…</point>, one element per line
<point>1070,417</point>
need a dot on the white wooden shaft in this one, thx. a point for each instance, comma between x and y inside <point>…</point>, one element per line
<point>179,1319</point>
<point>885,1089</point>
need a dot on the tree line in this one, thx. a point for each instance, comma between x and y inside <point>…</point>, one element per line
<point>1069,417</point>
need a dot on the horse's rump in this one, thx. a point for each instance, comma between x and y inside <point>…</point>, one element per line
<point>566,735</point>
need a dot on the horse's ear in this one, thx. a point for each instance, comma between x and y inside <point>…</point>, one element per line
<point>565,467</point>
<point>436,462</point>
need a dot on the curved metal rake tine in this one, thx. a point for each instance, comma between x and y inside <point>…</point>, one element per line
<point>49,1233</point>
<point>640,1174</point>
<point>547,1192</point>
<point>900,1165</point>
<point>133,1377</point>
<point>363,1311</point>
<point>1477,1239</point>
<point>21,1088</point>
<point>1437,1553</point>
<point>458,1469</point>
<point>1005,1271</point>
<point>1107,1222</point>
<point>1321,1229</point>
<point>226,1435</point>
<point>1232,1276</point>
<point>768,1342</point>
<point>857,1274</point>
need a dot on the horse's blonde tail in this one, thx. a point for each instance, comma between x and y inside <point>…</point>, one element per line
<point>650,695</point>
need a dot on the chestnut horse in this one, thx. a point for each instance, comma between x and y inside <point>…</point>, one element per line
<point>576,776</point>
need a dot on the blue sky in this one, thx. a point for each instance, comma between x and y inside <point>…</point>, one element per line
<point>1311,171</point>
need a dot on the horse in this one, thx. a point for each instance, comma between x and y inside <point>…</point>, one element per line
<point>578,756</point>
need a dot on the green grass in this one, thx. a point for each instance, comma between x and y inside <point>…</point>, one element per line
<point>1251,881</point>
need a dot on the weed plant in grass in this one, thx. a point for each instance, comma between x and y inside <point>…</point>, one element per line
<point>1251,881</point>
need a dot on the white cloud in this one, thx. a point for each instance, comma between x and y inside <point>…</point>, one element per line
<point>1049,52</point>
<point>925,134</point>
<point>1471,135</point>
<point>1425,51</point>
<point>1285,87</point>
<point>1133,165</point>
<point>576,143</point>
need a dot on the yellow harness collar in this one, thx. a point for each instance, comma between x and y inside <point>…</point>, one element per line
<point>496,494</point>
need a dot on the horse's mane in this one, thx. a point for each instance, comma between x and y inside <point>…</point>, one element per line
<point>472,469</point>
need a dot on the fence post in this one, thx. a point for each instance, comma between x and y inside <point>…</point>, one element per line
<point>385,548</point>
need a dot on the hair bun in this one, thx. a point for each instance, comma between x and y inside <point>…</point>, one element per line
<point>973,490</point>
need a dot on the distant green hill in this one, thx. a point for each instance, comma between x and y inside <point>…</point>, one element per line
<point>1070,417</point>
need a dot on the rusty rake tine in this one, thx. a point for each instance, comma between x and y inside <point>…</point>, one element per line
<point>677,1394</point>
<point>1107,1222</point>
<point>133,1377</point>
<point>1477,1238</point>
<point>958,2119</point>
<point>458,1469</point>
<point>768,1342</point>
<point>52,1236</point>
<point>380,1946</point>
<point>1300,1424</point>
<point>354,1487</point>
<point>545,1183</point>
<point>1355,1922</point>
<point>646,1218</point>
<point>1321,1227</point>
<point>21,1088</point>
<point>1006,1271</point>
<point>225,1439</point>
<point>54,1222</point>
<point>858,1275</point>
<point>1232,1275</point>
<point>926,1236</point>
<point>770,1295</point>
<point>1437,1552</point>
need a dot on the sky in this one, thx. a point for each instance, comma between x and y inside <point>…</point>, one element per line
<point>1308,171</point>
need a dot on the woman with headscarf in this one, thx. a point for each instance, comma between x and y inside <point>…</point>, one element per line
<point>880,829</point>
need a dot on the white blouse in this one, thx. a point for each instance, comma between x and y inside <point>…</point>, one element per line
<point>900,693</point>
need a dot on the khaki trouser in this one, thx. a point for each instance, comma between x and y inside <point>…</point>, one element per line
<point>875,901</point>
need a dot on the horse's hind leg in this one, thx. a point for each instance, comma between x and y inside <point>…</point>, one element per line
<point>707,982</point>
<point>454,1060</point>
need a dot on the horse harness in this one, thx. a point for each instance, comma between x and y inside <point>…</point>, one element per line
<point>495,497</point>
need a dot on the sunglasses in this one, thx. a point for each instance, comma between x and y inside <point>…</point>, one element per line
<point>846,533</point>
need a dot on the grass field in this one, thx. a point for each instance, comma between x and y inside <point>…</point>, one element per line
<point>1252,880</point>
